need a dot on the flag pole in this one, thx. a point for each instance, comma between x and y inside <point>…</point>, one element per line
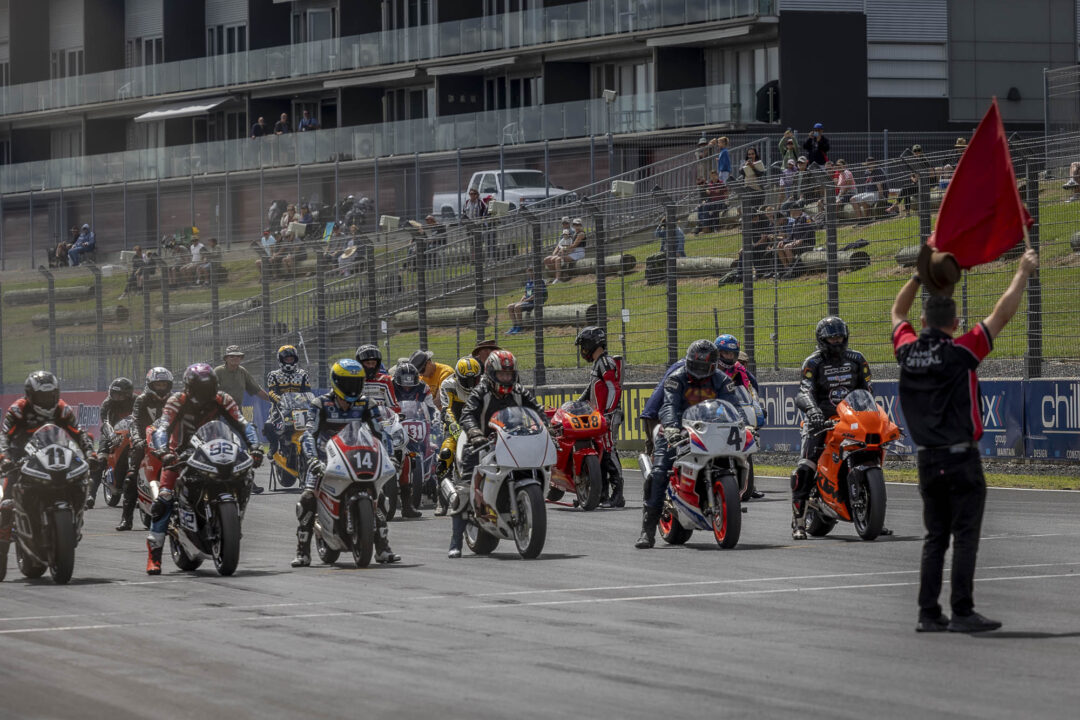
<point>1027,238</point>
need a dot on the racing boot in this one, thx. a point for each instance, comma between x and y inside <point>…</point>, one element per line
<point>126,514</point>
<point>153,560</point>
<point>303,549</point>
<point>91,494</point>
<point>616,500</point>
<point>649,520</point>
<point>3,559</point>
<point>798,519</point>
<point>7,520</point>
<point>383,554</point>
<point>405,503</point>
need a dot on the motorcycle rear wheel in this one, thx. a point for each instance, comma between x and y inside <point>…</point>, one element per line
<point>63,558</point>
<point>112,498</point>
<point>480,542</point>
<point>180,557</point>
<point>416,482</point>
<point>671,530</point>
<point>531,531</point>
<point>145,519</point>
<point>870,518</point>
<point>817,524</point>
<point>327,554</point>
<point>28,566</point>
<point>555,494</point>
<point>589,484</point>
<point>727,516</point>
<point>363,541</point>
<point>226,549</point>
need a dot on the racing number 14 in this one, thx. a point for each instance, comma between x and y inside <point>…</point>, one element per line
<point>363,460</point>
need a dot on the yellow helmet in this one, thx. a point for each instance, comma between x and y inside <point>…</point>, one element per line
<point>347,379</point>
<point>284,353</point>
<point>468,372</point>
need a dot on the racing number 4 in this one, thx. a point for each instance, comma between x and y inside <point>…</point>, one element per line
<point>733,436</point>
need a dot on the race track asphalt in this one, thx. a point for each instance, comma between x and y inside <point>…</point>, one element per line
<point>592,629</point>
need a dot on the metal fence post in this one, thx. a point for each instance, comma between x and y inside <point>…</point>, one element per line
<point>52,317</point>
<point>601,249</point>
<point>1034,288</point>
<point>2,385</point>
<point>832,275</point>
<point>373,292</point>
<point>502,171</point>
<point>747,272</point>
<point>215,312</point>
<point>438,211</point>
<point>924,207</point>
<point>421,288</point>
<point>267,316</point>
<point>592,159</point>
<point>32,229</point>
<point>322,329</point>
<point>148,343</point>
<point>539,295</point>
<point>476,240</point>
<point>123,202</point>
<point>99,317</point>
<point>670,271</point>
<point>547,169</point>
<point>166,322</point>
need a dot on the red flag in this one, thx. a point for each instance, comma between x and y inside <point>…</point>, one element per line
<point>981,215</point>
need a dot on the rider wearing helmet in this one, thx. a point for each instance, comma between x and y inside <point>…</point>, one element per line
<point>453,394</point>
<point>408,386</point>
<point>604,393</point>
<point>40,406</point>
<point>727,361</point>
<point>117,406</point>
<point>185,412</point>
<point>288,378</point>
<point>379,386</point>
<point>828,375</point>
<point>696,381</point>
<point>331,412</point>
<point>499,389</point>
<point>147,409</point>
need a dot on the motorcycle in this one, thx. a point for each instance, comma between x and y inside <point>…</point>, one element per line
<point>292,413</point>
<point>507,488</point>
<point>578,428</point>
<point>112,480</point>
<point>357,468</point>
<point>712,461</point>
<point>211,494</point>
<point>49,500</point>
<point>423,438</point>
<point>850,485</point>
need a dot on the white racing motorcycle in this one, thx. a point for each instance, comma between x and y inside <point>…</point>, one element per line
<point>357,469</point>
<point>507,491</point>
<point>712,462</point>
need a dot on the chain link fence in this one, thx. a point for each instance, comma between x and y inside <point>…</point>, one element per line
<point>446,283</point>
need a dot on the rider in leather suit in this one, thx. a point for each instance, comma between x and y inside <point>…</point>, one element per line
<point>116,407</point>
<point>288,378</point>
<point>345,403</point>
<point>145,412</point>
<point>408,386</point>
<point>605,394</point>
<point>41,406</point>
<point>828,375</point>
<point>379,385</point>
<point>453,394</point>
<point>184,413</point>
<point>696,381</point>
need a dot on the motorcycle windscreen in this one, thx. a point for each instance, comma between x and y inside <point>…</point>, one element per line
<point>48,435</point>
<point>524,442</point>
<point>577,407</point>
<point>517,421</point>
<point>357,448</point>
<point>295,401</point>
<point>218,430</point>
<point>713,412</point>
<point>414,410</point>
<point>860,401</point>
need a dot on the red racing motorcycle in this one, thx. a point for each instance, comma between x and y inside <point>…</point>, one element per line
<point>578,430</point>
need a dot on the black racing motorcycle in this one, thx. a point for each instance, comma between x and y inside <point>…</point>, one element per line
<point>212,492</point>
<point>49,498</point>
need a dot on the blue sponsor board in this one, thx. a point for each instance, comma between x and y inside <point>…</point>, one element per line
<point>1053,419</point>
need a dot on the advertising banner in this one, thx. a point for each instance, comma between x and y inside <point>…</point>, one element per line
<point>1053,419</point>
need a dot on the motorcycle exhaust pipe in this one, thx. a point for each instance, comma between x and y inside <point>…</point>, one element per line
<point>456,501</point>
<point>644,464</point>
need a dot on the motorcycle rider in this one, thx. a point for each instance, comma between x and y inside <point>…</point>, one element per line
<point>828,375</point>
<point>730,363</point>
<point>696,381</point>
<point>453,395</point>
<point>145,412</point>
<point>288,378</point>
<point>499,389</point>
<point>184,413</point>
<point>116,407</point>
<point>407,386</point>
<point>344,403</point>
<point>604,393</point>
<point>40,405</point>
<point>380,385</point>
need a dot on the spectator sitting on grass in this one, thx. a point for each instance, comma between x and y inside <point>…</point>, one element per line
<point>798,239</point>
<point>288,217</point>
<point>305,215</point>
<point>661,234</point>
<point>787,178</point>
<point>85,243</point>
<point>571,249</point>
<point>872,190</point>
<point>752,170</point>
<point>190,272</point>
<point>211,262</point>
<point>526,304</point>
<point>715,202</point>
<point>1073,183</point>
<point>135,277</point>
<point>845,183</point>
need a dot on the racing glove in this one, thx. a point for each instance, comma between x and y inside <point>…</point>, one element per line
<point>317,468</point>
<point>7,466</point>
<point>169,458</point>
<point>672,435</point>
<point>256,457</point>
<point>476,436</point>
<point>815,419</point>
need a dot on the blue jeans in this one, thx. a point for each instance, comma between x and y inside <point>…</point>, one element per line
<point>77,251</point>
<point>457,531</point>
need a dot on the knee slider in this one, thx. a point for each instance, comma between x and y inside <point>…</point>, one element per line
<point>305,507</point>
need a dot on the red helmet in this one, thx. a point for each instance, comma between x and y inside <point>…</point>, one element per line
<point>501,371</point>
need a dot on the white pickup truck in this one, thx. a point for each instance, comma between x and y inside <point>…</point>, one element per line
<point>517,187</point>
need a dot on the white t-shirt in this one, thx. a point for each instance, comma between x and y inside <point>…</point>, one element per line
<point>196,251</point>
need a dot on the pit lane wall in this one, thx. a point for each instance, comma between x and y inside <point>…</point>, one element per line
<point>1034,419</point>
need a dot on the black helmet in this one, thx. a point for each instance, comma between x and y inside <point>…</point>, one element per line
<point>406,375</point>
<point>121,389</point>
<point>159,381</point>
<point>200,383</point>
<point>701,359</point>
<point>589,339</point>
<point>831,327</point>
<point>369,352</point>
<point>42,391</point>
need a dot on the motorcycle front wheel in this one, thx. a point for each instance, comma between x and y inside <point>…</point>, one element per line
<point>867,499</point>
<point>363,540</point>
<point>112,498</point>
<point>589,483</point>
<point>63,554</point>
<point>727,515</point>
<point>226,547</point>
<point>28,566</point>
<point>531,530</point>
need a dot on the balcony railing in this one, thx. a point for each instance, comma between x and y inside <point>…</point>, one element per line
<point>594,18</point>
<point>635,113</point>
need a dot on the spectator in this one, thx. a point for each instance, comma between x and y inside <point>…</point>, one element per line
<point>763,239</point>
<point>571,249</point>
<point>305,215</point>
<point>267,246</point>
<point>788,150</point>
<point>680,237</point>
<point>134,281</point>
<point>308,123</point>
<point>872,190</point>
<point>817,146</point>
<point>723,158</point>
<point>234,380</point>
<point>787,179</point>
<point>803,188</point>
<point>845,183</point>
<point>704,155</point>
<point>752,170</point>
<point>474,207</point>
<point>211,264</point>
<point>526,304</point>
<point>435,232</point>
<point>1073,183</point>
<point>289,216</point>
<point>281,127</point>
<point>190,271</point>
<point>432,373</point>
<point>259,128</point>
<point>85,243</point>
<point>945,177</point>
<point>713,204</point>
<point>798,239</point>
